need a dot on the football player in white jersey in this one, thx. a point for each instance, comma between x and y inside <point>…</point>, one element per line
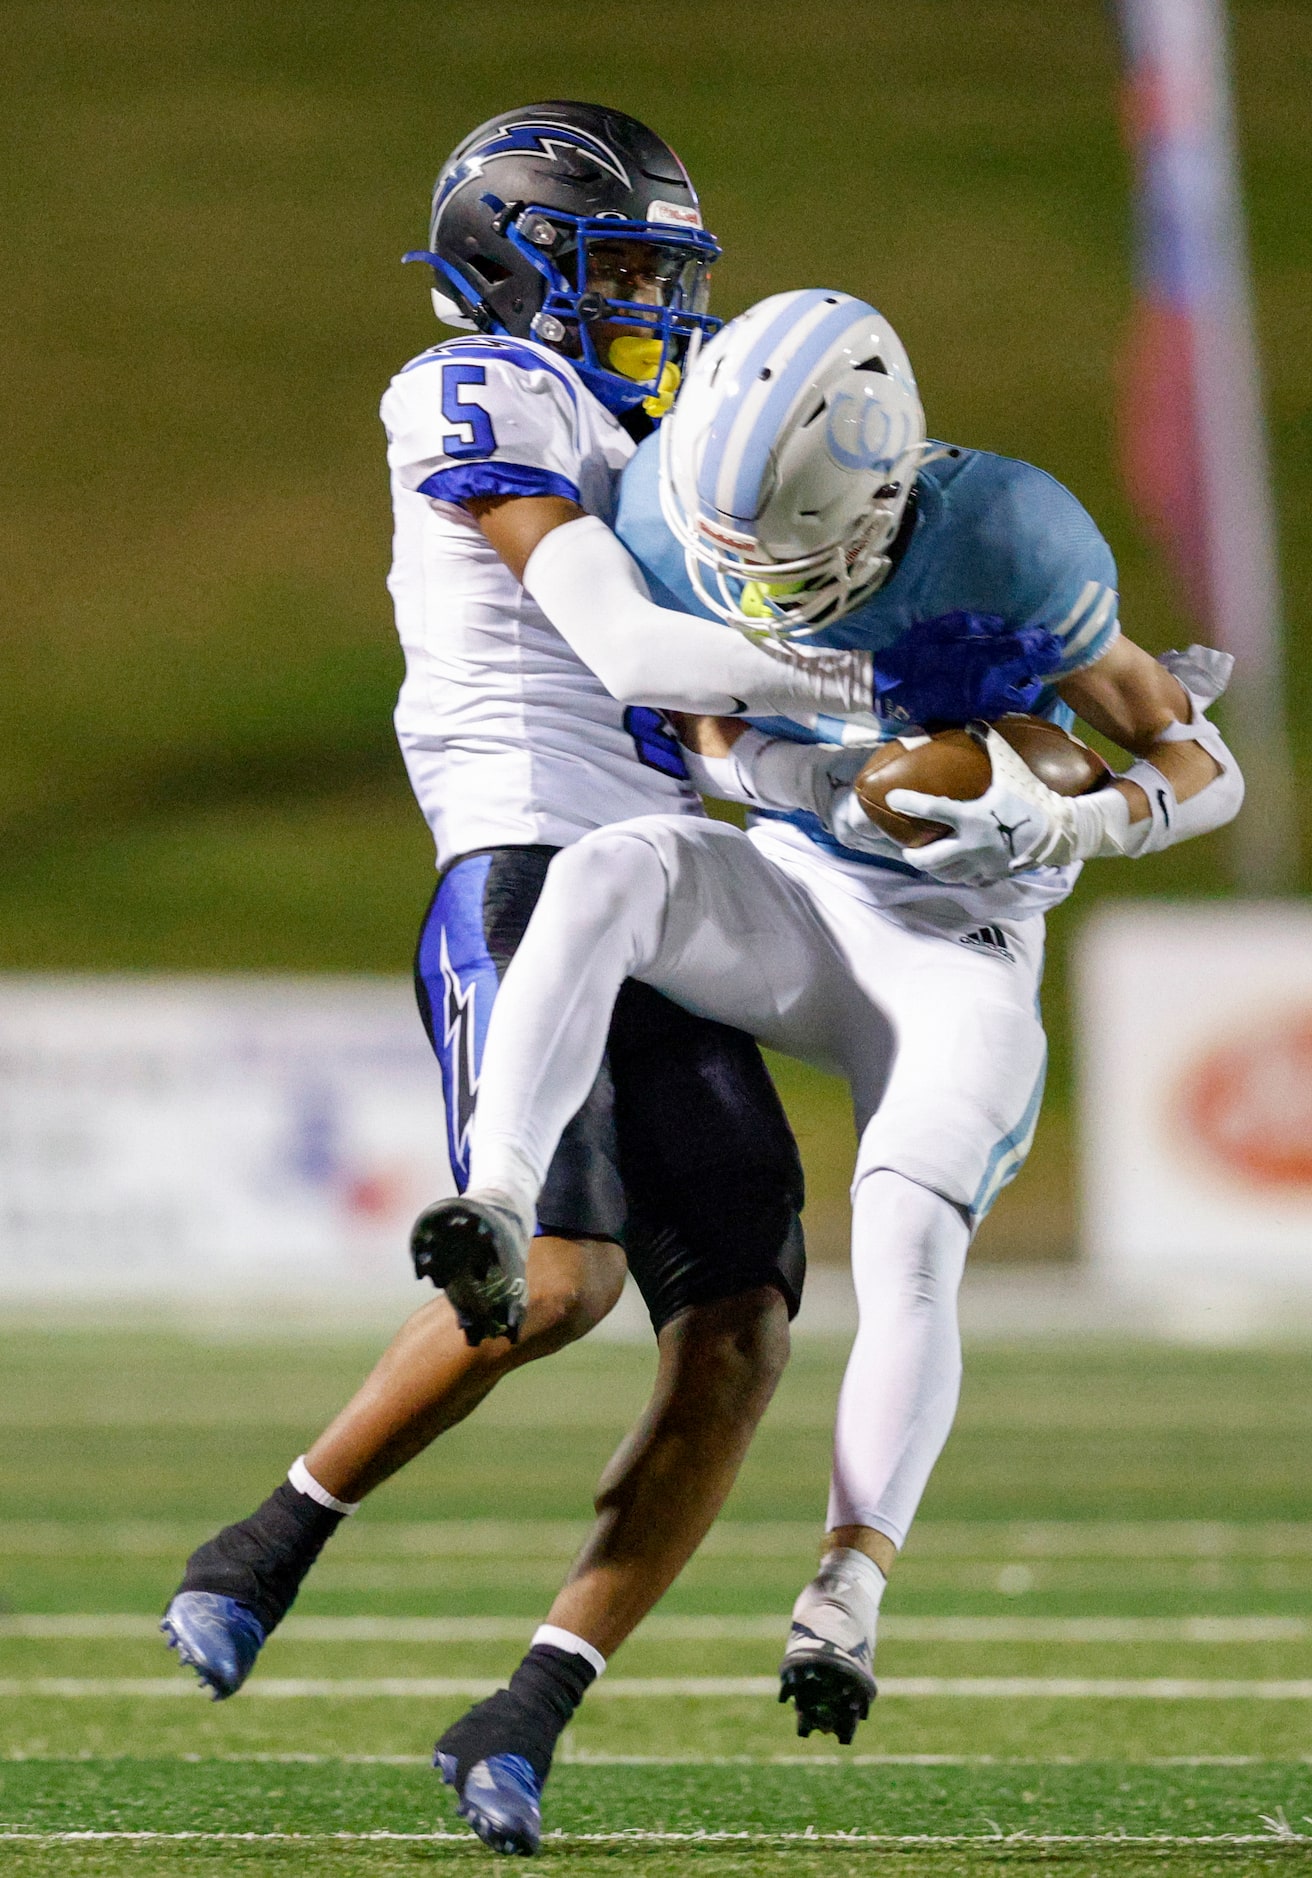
<point>566,240</point>
<point>800,496</point>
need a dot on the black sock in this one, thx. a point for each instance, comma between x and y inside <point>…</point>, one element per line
<point>527,1718</point>
<point>261,1560</point>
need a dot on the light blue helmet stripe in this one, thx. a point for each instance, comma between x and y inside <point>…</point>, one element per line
<point>765,431</point>
<point>776,329</point>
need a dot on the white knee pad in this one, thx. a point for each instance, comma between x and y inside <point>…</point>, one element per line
<point>612,882</point>
<point>908,1241</point>
<point>903,1378</point>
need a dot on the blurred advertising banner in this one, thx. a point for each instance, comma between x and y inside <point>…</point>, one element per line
<point>1195,1036</point>
<point>187,1136</point>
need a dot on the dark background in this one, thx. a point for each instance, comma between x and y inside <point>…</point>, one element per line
<point>205,207</point>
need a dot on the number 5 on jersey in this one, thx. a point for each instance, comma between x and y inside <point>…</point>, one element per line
<point>476,438</point>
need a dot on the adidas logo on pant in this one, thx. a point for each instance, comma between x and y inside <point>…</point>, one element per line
<point>989,939</point>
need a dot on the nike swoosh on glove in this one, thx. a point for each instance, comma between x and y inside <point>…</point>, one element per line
<point>1018,823</point>
<point>962,666</point>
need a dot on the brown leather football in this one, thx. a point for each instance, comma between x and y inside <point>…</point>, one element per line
<point>955,763</point>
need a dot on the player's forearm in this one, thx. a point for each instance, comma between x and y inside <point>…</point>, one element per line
<point>736,763</point>
<point>1188,767</point>
<point>1141,704</point>
<point>1177,792</point>
<point>592,591</point>
<point>1186,781</point>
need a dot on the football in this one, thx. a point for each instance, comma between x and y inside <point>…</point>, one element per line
<point>955,763</point>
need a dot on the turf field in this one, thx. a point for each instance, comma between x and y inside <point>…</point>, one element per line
<point>1097,1654</point>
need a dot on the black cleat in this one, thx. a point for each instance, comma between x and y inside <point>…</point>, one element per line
<point>476,1251</point>
<point>831,1695</point>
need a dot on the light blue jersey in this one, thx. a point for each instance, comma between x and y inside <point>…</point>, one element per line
<point>991,537</point>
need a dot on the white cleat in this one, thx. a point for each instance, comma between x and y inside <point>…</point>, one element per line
<point>475,1248</point>
<point>828,1666</point>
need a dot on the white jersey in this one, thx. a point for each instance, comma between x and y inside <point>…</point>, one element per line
<point>507,736</point>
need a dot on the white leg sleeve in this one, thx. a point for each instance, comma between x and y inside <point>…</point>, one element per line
<point>598,921</point>
<point>903,1377</point>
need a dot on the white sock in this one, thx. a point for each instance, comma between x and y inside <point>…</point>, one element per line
<point>899,1394</point>
<point>304,1482</point>
<point>854,1581</point>
<point>566,1640</point>
<point>843,1566</point>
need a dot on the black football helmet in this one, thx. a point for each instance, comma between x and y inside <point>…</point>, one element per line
<point>556,218</point>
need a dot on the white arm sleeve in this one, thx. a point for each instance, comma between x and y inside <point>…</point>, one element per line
<point>592,590</point>
<point>768,773</point>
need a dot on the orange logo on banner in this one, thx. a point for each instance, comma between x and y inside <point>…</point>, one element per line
<point>1249,1104</point>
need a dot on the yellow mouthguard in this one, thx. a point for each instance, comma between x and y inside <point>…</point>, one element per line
<point>635,357</point>
<point>757,594</point>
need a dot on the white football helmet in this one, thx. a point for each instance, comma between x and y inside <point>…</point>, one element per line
<point>788,460</point>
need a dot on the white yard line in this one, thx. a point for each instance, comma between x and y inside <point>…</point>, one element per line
<point>563,1840</point>
<point>586,1757</point>
<point>647,1688</point>
<point>109,1626</point>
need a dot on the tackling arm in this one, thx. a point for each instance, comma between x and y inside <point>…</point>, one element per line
<point>591,589</point>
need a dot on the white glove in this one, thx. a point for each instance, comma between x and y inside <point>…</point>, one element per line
<point>773,773</point>
<point>839,807</point>
<point>848,821</point>
<point>1018,823</point>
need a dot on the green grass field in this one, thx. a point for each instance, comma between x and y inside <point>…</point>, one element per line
<point>1097,1654</point>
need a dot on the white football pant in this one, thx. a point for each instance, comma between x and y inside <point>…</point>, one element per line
<point>937,1033</point>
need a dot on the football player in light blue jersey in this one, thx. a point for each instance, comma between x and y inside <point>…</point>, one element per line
<point>981,536</point>
<point>797,497</point>
<point>995,585</point>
